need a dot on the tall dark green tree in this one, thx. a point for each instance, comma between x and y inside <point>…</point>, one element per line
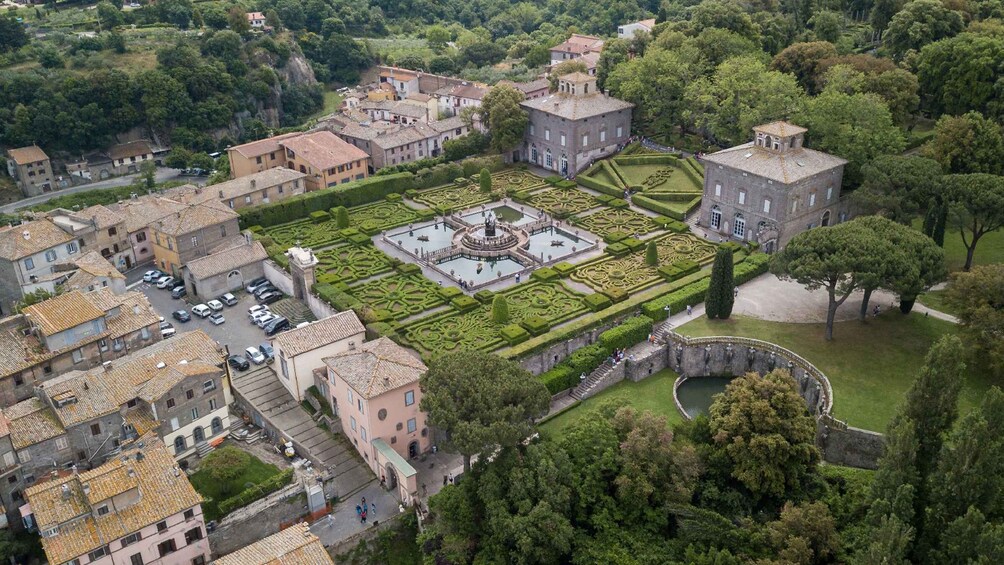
<point>485,180</point>
<point>652,254</point>
<point>720,297</point>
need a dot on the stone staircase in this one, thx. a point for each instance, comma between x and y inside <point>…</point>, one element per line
<point>586,387</point>
<point>248,434</point>
<point>204,449</point>
<point>661,332</point>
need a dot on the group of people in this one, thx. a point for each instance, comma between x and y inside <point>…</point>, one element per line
<point>364,509</point>
<point>617,356</point>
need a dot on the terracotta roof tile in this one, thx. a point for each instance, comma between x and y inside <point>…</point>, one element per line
<point>787,167</point>
<point>322,332</point>
<point>142,211</point>
<point>324,150</point>
<point>29,154</point>
<point>194,217</point>
<point>263,146</point>
<point>376,367</point>
<point>29,238</point>
<point>295,545</point>
<point>780,128</point>
<point>574,107</point>
<point>129,149</point>
<point>227,260</point>
<point>62,312</point>
<point>236,188</point>
<point>31,422</point>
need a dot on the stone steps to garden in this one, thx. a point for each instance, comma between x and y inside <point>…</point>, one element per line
<point>584,389</point>
<point>204,449</point>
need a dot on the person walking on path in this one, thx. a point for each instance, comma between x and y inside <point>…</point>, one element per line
<point>690,310</point>
<point>735,292</point>
<point>373,508</point>
<point>451,478</point>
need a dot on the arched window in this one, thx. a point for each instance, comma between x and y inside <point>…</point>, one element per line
<point>825,221</point>
<point>179,445</point>
<point>533,154</point>
<point>198,435</point>
<point>217,425</point>
<point>548,161</point>
<point>716,217</point>
<point>739,227</point>
<point>564,165</point>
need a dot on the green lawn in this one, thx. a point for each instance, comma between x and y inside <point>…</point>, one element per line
<point>332,100</point>
<point>654,394</point>
<point>215,492</point>
<point>990,249</point>
<point>936,299</point>
<point>870,365</point>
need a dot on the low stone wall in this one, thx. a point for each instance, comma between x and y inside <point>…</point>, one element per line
<point>256,521</point>
<point>284,282</point>
<point>545,360</point>
<point>847,445</point>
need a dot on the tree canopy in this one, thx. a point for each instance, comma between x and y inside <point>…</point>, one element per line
<point>505,118</point>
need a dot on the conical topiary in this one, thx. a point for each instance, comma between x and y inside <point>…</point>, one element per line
<point>720,298</point>
<point>500,310</point>
<point>486,181</point>
<point>652,255</point>
<point>341,217</point>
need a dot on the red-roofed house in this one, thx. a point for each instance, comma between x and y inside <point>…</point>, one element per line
<point>256,20</point>
<point>321,155</point>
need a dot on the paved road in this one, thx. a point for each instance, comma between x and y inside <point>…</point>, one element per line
<point>162,174</point>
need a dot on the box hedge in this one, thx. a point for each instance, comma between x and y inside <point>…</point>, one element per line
<point>566,184</point>
<point>656,206</point>
<point>693,293</point>
<point>256,229</point>
<point>514,334</point>
<point>586,359</point>
<point>359,239</point>
<point>559,378</point>
<point>425,214</point>
<point>544,274</point>
<point>563,268</point>
<point>603,198</point>
<point>395,197</point>
<point>618,203</point>
<point>633,244</point>
<point>449,292</point>
<point>661,159</point>
<point>553,179</point>
<point>371,227</point>
<point>536,325</point>
<point>615,293</point>
<point>615,236</point>
<point>354,193</point>
<point>409,269</point>
<point>319,217</point>
<point>599,186</point>
<point>484,296</point>
<point>464,303</point>
<point>618,249</point>
<point>629,332</point>
<point>597,302</point>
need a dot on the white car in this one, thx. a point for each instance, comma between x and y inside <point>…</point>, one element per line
<point>217,319</point>
<point>164,282</point>
<point>167,329</point>
<point>257,308</point>
<point>151,276</point>
<point>254,355</point>
<point>215,305</point>
<point>258,315</point>
<point>268,317</point>
<point>201,311</point>
<point>229,299</point>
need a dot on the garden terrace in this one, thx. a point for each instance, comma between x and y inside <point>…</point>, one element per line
<point>400,295</point>
<point>562,202</point>
<point>606,221</point>
<point>350,263</point>
<point>304,233</point>
<point>379,216</point>
<point>630,273</point>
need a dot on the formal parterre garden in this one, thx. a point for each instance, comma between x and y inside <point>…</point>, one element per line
<point>662,183</point>
<point>554,303</point>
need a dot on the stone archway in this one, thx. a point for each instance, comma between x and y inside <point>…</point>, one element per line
<point>391,475</point>
<point>235,279</point>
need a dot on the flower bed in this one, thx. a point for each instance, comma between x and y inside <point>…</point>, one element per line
<point>401,295</point>
<point>349,263</point>
<point>381,216</point>
<point>630,272</point>
<point>562,202</point>
<point>607,221</point>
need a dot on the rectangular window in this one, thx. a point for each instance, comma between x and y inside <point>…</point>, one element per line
<point>409,398</point>
<point>71,247</point>
<point>352,423</point>
<point>531,129</point>
<point>620,132</point>
<point>174,424</point>
<point>144,333</point>
<point>212,404</point>
<point>766,205</point>
<point>257,160</point>
<point>162,526</point>
<point>189,514</point>
<point>794,206</point>
<point>585,140</point>
<point>362,432</point>
<point>136,559</point>
<point>102,510</point>
<point>189,394</point>
<point>62,443</point>
<point>562,139</point>
<point>131,539</point>
<point>359,405</point>
<point>193,535</point>
<point>208,386</point>
<point>812,200</point>
<point>170,403</point>
<point>50,256</point>
<point>24,456</point>
<point>195,413</point>
<point>103,345</point>
<point>547,134</point>
<point>29,263</point>
<point>412,425</point>
<point>351,398</point>
<point>742,197</point>
<point>718,189</point>
<point>97,553</point>
<point>829,193</point>
<point>603,135</point>
<point>8,461</point>
<point>195,241</point>
<point>95,429</point>
<point>166,547</point>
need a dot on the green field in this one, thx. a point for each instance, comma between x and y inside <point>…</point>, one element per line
<point>870,365</point>
<point>653,394</point>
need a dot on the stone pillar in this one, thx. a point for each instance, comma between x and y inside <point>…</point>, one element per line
<point>302,263</point>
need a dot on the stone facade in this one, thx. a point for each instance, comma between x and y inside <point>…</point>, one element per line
<point>31,170</point>
<point>193,411</point>
<point>771,189</point>
<point>573,127</point>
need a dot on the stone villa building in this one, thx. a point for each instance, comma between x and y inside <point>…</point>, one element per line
<point>574,126</point>
<point>772,188</point>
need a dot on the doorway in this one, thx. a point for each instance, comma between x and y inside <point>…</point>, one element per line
<point>413,449</point>
<point>198,435</point>
<point>391,477</point>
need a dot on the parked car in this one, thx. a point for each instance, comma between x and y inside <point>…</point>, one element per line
<point>251,286</point>
<point>277,325</point>
<point>167,329</point>
<point>152,276</point>
<point>254,355</point>
<point>181,315</point>
<point>262,320</point>
<point>257,308</point>
<point>164,282</point>
<point>217,319</point>
<point>270,297</point>
<point>178,282</point>
<point>267,287</point>
<point>201,311</point>
<point>178,292</point>
<point>267,351</point>
<point>215,305</point>
<point>258,315</point>
<point>228,299</point>
<point>238,362</point>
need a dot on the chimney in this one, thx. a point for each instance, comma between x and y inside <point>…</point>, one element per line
<point>65,490</point>
<point>221,194</point>
<point>26,234</point>
<point>107,365</point>
<point>161,365</point>
<point>386,381</point>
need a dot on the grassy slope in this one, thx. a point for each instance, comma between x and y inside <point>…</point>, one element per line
<point>870,365</point>
<point>654,394</point>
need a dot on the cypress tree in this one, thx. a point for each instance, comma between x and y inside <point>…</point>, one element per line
<point>500,310</point>
<point>719,299</point>
<point>486,181</point>
<point>652,255</point>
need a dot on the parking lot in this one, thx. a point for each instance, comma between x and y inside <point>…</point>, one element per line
<point>238,333</point>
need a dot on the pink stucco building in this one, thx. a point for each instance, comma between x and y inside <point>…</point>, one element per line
<point>374,389</point>
<point>138,508</point>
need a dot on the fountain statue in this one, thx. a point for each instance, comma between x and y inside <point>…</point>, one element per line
<point>490,226</point>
